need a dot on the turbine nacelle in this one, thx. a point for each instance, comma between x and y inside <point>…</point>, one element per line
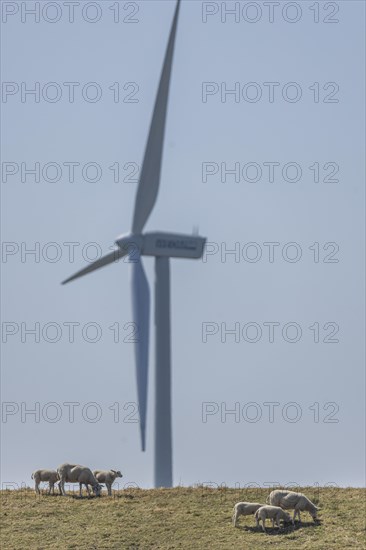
<point>157,243</point>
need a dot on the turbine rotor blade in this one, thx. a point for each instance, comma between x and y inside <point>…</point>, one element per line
<point>114,256</point>
<point>150,172</point>
<point>141,315</point>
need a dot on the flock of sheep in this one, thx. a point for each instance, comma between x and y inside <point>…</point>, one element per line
<point>74,473</point>
<point>277,502</point>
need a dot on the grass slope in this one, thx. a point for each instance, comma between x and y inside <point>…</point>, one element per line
<point>186,518</point>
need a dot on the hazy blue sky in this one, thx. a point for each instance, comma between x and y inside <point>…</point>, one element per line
<point>304,284</point>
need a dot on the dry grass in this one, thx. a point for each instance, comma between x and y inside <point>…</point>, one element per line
<point>185,518</point>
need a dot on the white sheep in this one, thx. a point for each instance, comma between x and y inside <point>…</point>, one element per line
<point>289,500</point>
<point>275,513</point>
<point>45,475</point>
<point>244,509</point>
<point>108,477</point>
<point>74,473</point>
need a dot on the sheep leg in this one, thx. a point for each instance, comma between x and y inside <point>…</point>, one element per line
<point>273,523</point>
<point>264,525</point>
<point>109,489</point>
<point>87,489</point>
<point>62,487</point>
<point>36,488</point>
<point>235,517</point>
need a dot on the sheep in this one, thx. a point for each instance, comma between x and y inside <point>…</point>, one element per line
<point>244,509</point>
<point>45,475</point>
<point>74,473</point>
<point>289,500</point>
<point>107,477</point>
<point>275,513</point>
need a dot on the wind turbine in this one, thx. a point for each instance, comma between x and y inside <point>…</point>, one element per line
<point>162,246</point>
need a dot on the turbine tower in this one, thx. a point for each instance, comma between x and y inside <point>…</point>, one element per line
<point>162,246</point>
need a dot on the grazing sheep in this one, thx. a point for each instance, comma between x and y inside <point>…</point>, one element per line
<point>244,509</point>
<point>45,475</point>
<point>275,513</point>
<point>74,473</point>
<point>108,477</point>
<point>289,500</point>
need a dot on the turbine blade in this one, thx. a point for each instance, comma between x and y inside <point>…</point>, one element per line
<point>114,256</point>
<point>150,172</point>
<point>141,315</point>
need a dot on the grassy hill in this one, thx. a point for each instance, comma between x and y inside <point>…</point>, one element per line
<point>185,518</point>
